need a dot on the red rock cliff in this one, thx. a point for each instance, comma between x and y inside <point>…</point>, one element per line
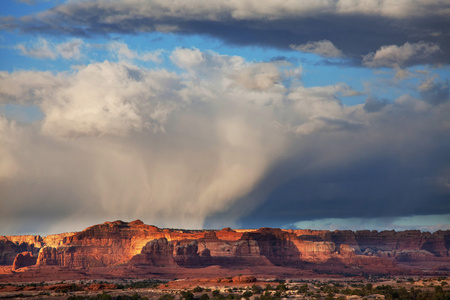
<point>120,243</point>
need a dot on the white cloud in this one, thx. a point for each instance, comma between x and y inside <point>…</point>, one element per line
<point>205,64</point>
<point>70,49</point>
<point>258,77</point>
<point>112,99</point>
<point>323,48</point>
<point>277,9</point>
<point>396,9</point>
<point>394,56</point>
<point>318,108</point>
<point>27,87</point>
<point>122,52</point>
<point>99,99</point>
<point>40,49</point>
<point>43,49</point>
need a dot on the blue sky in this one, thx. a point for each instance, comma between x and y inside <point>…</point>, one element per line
<point>226,113</point>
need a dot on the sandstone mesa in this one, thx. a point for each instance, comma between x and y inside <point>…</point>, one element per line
<point>121,249</point>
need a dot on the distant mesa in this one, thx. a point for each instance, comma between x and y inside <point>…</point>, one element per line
<point>120,247</point>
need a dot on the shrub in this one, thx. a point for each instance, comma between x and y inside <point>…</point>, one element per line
<point>247,294</point>
<point>303,289</point>
<point>256,289</point>
<point>204,297</point>
<point>187,295</point>
<point>166,297</point>
<point>282,287</point>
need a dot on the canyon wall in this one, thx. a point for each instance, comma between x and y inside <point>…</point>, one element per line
<point>120,243</point>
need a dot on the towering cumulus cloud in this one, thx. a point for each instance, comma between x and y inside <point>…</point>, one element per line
<point>122,141</point>
<point>119,141</point>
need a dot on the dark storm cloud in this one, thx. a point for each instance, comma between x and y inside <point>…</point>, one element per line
<point>397,166</point>
<point>379,187</point>
<point>354,29</point>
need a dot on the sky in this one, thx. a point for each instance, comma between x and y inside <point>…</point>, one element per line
<point>330,114</point>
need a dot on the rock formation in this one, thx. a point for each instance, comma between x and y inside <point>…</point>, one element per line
<point>24,259</point>
<point>155,253</point>
<point>120,243</point>
<point>11,246</point>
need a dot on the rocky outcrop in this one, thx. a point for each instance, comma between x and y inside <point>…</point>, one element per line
<point>186,253</point>
<point>11,246</point>
<point>396,242</point>
<point>24,259</point>
<point>413,255</point>
<point>35,240</point>
<point>67,256</point>
<point>437,243</point>
<point>107,244</point>
<point>228,234</point>
<point>278,246</point>
<point>155,253</point>
<point>316,251</point>
<point>243,279</point>
<point>345,237</point>
<point>55,240</point>
<point>216,249</point>
<point>384,243</point>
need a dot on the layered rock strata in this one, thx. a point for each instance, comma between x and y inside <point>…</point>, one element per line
<point>120,243</point>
